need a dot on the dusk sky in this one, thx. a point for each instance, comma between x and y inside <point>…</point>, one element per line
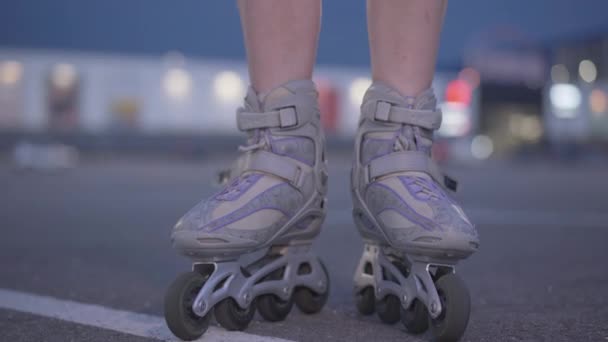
<point>211,28</point>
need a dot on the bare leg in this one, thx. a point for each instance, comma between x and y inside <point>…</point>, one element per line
<point>403,39</point>
<point>281,40</point>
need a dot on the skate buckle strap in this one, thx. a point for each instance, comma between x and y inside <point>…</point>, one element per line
<point>280,118</point>
<point>277,165</point>
<point>387,112</point>
<point>408,161</point>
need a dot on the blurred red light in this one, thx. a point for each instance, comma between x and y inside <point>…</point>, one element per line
<point>328,103</point>
<point>458,91</point>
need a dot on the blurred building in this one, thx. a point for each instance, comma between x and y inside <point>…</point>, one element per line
<point>60,92</point>
<point>511,68</point>
<point>496,62</point>
<point>576,95</point>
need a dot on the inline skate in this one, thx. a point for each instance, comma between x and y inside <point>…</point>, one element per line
<point>274,202</point>
<point>414,233</point>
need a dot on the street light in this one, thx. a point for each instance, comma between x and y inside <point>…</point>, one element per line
<point>10,73</point>
<point>228,87</point>
<point>177,83</point>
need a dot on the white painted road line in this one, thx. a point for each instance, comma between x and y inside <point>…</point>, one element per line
<point>512,217</point>
<point>112,319</point>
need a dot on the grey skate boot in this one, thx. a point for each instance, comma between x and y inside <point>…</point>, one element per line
<point>414,231</point>
<point>275,200</point>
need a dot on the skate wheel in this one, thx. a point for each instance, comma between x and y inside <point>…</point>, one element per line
<point>231,316</point>
<point>180,318</point>
<point>308,301</point>
<point>415,318</point>
<point>366,301</point>
<point>273,308</point>
<point>389,309</point>
<point>456,304</point>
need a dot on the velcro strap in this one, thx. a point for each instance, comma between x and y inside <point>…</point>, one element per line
<point>387,112</point>
<point>283,118</point>
<point>408,161</point>
<point>274,164</point>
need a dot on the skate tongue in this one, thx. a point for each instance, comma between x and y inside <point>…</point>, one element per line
<point>274,98</point>
<point>382,91</point>
<point>285,94</point>
<point>407,137</point>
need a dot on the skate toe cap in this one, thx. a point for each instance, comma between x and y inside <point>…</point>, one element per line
<point>202,243</point>
<point>183,225</point>
<point>454,245</point>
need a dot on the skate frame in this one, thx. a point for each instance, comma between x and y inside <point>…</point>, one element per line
<point>417,284</point>
<point>229,279</point>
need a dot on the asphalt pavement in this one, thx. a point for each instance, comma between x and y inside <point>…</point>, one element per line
<point>99,234</point>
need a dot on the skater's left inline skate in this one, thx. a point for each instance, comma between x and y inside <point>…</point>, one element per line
<point>274,202</point>
<point>414,231</point>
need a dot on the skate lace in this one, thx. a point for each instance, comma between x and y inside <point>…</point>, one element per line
<point>414,138</point>
<point>411,138</point>
<point>260,140</point>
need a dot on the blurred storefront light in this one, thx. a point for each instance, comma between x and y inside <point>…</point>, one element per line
<point>458,91</point>
<point>177,83</point>
<point>456,120</point>
<point>228,87</point>
<point>482,147</point>
<point>525,127</point>
<point>559,74</point>
<point>64,76</point>
<point>598,102</point>
<point>531,128</point>
<point>565,99</point>
<point>11,73</point>
<point>329,104</point>
<point>587,71</point>
<point>357,90</point>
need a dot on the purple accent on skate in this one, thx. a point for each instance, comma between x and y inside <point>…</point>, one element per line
<point>304,223</point>
<point>373,148</point>
<point>445,213</point>
<point>274,198</point>
<point>300,149</point>
<point>238,187</point>
<point>366,222</point>
<point>400,206</point>
<point>423,189</point>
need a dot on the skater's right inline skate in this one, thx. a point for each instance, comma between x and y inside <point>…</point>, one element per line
<point>274,202</point>
<point>414,232</point>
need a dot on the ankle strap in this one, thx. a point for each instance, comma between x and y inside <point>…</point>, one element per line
<point>382,111</point>
<point>407,161</point>
<point>263,161</point>
<point>281,118</point>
